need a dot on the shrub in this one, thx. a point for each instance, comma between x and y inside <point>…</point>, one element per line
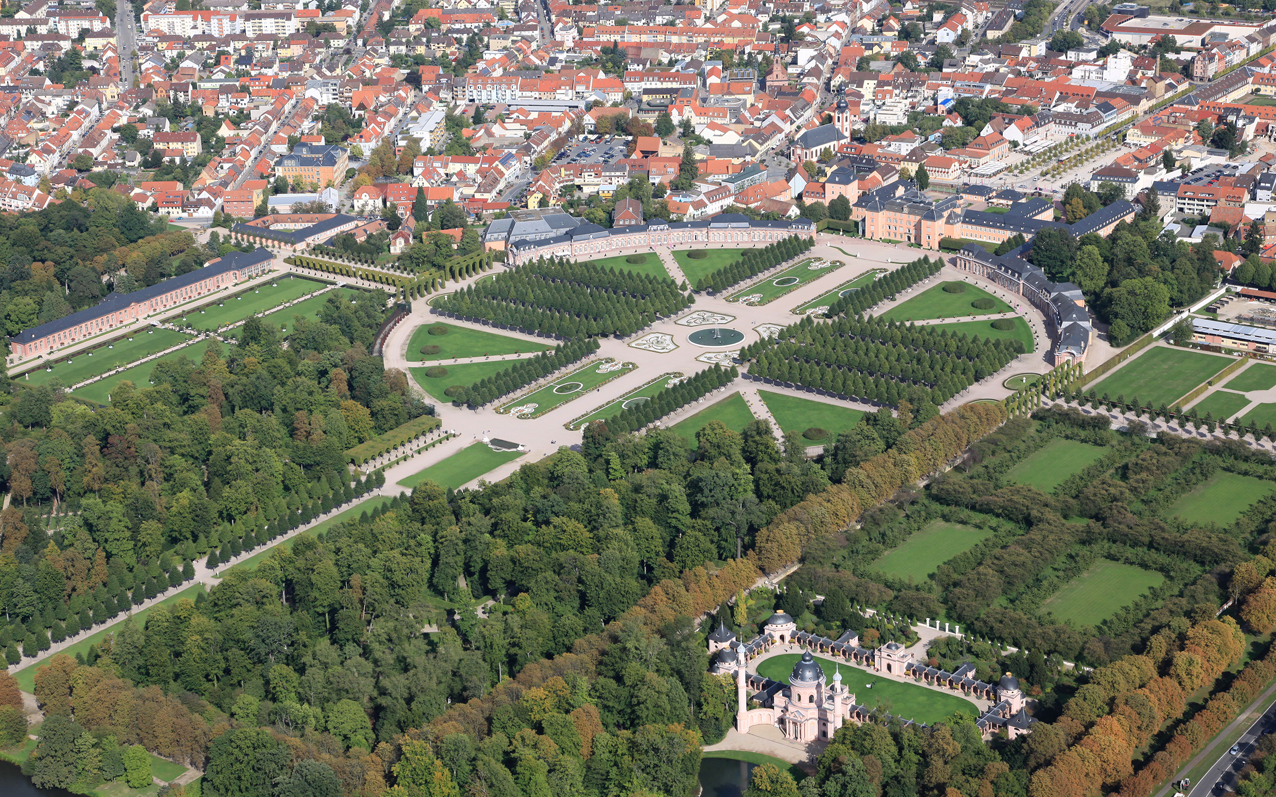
<point>1004,324</point>
<point>697,254</point>
<point>636,259</point>
<point>954,287</point>
<point>454,391</point>
<point>431,349</point>
<point>984,303</point>
<point>815,433</point>
<point>437,329</point>
<point>436,372</point>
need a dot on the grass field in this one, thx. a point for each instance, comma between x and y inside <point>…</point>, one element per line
<point>281,320</point>
<point>26,676</point>
<point>1054,463</point>
<point>850,285</point>
<point>1100,592</point>
<point>464,374</point>
<point>1161,375</point>
<point>83,366</point>
<point>799,414</point>
<point>1222,499</point>
<point>259,300</point>
<point>139,375</point>
<point>650,265</point>
<point>772,288</point>
<point>1221,405</point>
<point>1255,377</point>
<point>352,513</point>
<point>918,556</point>
<point>1262,415</point>
<point>732,411</point>
<point>937,303</point>
<point>1257,99</point>
<point>570,387</point>
<point>695,269</point>
<point>462,467</point>
<point>608,410</point>
<point>906,700</point>
<point>984,329</point>
<point>466,342</point>
<point>1021,380</point>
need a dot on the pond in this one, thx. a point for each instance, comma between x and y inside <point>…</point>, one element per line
<point>14,784</point>
<point>721,777</point>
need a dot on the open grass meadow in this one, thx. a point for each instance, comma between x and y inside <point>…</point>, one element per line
<point>1161,375</point>
<point>464,374</point>
<point>630,399</point>
<point>695,268</point>
<point>261,299</point>
<point>928,548</point>
<point>281,320</point>
<point>771,288</point>
<point>984,329</point>
<point>1221,499</point>
<point>1221,405</point>
<point>572,386</point>
<point>650,264</point>
<point>86,365</point>
<point>352,513</point>
<point>1100,592</point>
<point>460,342</point>
<point>796,414</point>
<point>849,286</point>
<point>1054,463</point>
<point>935,302</point>
<point>1263,414</point>
<point>462,467</point>
<point>139,375</point>
<point>732,411</point>
<point>906,700</point>
<point>1255,377</point>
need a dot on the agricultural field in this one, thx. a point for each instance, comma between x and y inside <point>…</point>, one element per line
<point>462,467</point>
<point>906,700</point>
<point>464,374</point>
<point>261,299</point>
<point>459,342</point>
<point>771,288</point>
<point>85,365</point>
<point>1221,405</point>
<point>630,399</point>
<point>1255,377</point>
<point>139,375</point>
<point>1161,375</point>
<point>570,387</point>
<point>695,268</point>
<point>935,302</point>
<point>1100,592</point>
<point>1221,499</point>
<point>796,414</point>
<point>1054,463</point>
<point>732,411</point>
<point>928,548</point>
<point>650,264</point>
<point>985,329</point>
<point>846,287</point>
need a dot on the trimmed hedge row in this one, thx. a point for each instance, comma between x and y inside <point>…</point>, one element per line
<point>388,441</point>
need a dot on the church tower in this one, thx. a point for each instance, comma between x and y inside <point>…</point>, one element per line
<point>842,116</point>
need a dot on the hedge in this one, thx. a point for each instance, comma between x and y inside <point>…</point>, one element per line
<point>392,439</point>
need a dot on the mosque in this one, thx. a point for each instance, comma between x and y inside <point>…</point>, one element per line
<point>810,709</point>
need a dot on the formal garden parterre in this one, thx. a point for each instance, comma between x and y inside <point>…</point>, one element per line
<point>846,288</point>
<point>1160,375</point>
<point>441,341</point>
<point>775,286</point>
<point>569,387</point>
<point>955,299</point>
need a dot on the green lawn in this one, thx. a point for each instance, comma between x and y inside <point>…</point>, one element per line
<point>1054,463</point>
<point>281,320</point>
<point>650,265</point>
<point>1257,99</point>
<point>26,676</point>
<point>568,388</point>
<point>828,298</point>
<point>695,269</point>
<point>465,374</point>
<point>1021,380</point>
<point>910,701</point>
<point>1100,592</point>
<point>732,411</point>
<point>1255,377</point>
<point>352,513</point>
<point>937,542</point>
<point>937,303</point>
<point>164,769</point>
<point>1222,499</point>
<point>607,410</point>
<point>772,288</point>
<point>139,375</point>
<point>259,300</point>
<point>799,414</point>
<point>1161,375</point>
<point>83,366</point>
<point>984,329</point>
<point>466,342</point>
<point>1263,414</point>
<point>1221,404</point>
<point>1000,211</point>
<point>462,467</point>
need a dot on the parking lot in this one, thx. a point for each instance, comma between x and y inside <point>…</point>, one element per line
<point>609,150</point>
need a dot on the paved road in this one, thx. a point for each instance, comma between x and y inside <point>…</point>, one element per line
<point>1222,776</point>
<point>125,34</point>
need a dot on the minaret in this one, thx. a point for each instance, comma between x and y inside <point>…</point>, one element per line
<point>836,721</point>
<point>742,711</point>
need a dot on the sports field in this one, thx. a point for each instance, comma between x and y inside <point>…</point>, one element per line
<point>568,388</point>
<point>695,269</point>
<point>465,342</point>
<point>629,400</point>
<point>796,414</point>
<point>1255,377</point>
<point>1161,375</point>
<point>650,264</point>
<point>464,374</point>
<point>462,467</point>
<point>937,542</point>
<point>906,700</point>
<point>937,303</point>
<point>769,289</point>
<point>732,411</point>
<point>984,329</point>
<point>1054,463</point>
<point>1221,499</point>
<point>827,299</point>
<point>139,375</point>
<point>1221,405</point>
<point>261,299</point>
<point>86,365</point>
<point>1100,592</point>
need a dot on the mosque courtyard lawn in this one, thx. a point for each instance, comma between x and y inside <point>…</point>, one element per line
<point>261,299</point>
<point>796,414</point>
<point>771,288</point>
<point>1161,375</point>
<point>910,701</point>
<point>145,342</point>
<point>1221,499</point>
<point>570,387</point>
<point>1052,465</point>
<point>650,265</point>
<point>828,298</point>
<point>459,342</point>
<point>937,303</point>
<point>1100,592</point>
<point>928,548</point>
<point>694,268</point>
<point>462,467</point>
<point>732,411</point>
